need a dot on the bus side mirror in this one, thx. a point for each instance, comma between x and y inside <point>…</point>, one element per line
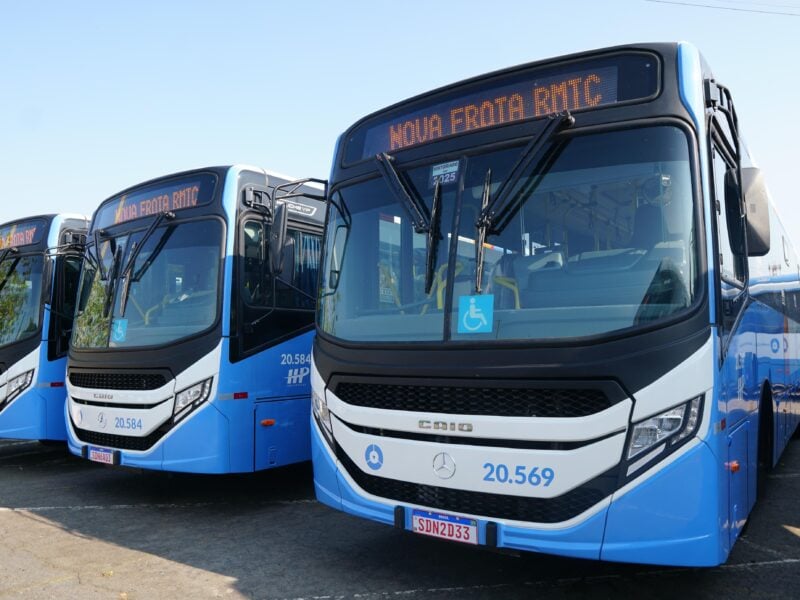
<point>277,238</point>
<point>757,206</point>
<point>733,213</point>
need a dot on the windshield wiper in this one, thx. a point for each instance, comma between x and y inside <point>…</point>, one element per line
<point>496,212</point>
<point>499,208</point>
<point>434,235</point>
<point>480,238</point>
<point>12,268</point>
<point>415,207</point>
<point>422,221</point>
<point>112,278</point>
<point>127,274</point>
<point>6,252</point>
<point>99,258</point>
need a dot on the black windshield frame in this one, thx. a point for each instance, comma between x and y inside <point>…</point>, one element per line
<point>129,230</point>
<point>44,289</point>
<point>700,296</point>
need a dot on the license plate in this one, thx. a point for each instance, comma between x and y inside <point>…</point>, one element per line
<point>101,455</point>
<point>447,527</point>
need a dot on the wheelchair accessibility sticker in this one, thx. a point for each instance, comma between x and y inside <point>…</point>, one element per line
<point>475,314</point>
<point>119,330</point>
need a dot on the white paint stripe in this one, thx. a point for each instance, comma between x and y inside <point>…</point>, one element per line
<point>22,443</point>
<point>748,542</point>
<point>784,476</point>
<point>539,584</point>
<point>38,509</point>
<point>18,454</point>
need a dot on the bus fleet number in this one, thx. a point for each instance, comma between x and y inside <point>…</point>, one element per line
<point>295,359</point>
<point>127,423</point>
<point>522,475</point>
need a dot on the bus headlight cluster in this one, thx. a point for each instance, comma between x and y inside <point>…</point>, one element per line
<point>671,426</point>
<point>18,384</point>
<point>321,412</point>
<point>190,398</point>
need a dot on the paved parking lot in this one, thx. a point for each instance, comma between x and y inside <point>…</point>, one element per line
<point>71,529</point>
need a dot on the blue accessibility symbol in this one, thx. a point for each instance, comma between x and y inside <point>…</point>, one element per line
<point>475,314</point>
<point>374,457</point>
<point>119,330</point>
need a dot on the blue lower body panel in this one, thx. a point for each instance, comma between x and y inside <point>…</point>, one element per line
<point>660,521</point>
<point>200,444</point>
<point>672,518</point>
<point>38,414</point>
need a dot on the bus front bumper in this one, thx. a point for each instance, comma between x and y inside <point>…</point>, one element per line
<point>200,444</point>
<point>670,517</point>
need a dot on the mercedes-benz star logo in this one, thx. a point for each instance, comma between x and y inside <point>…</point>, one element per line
<point>444,467</point>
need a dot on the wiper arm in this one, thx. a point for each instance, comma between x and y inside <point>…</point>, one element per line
<point>6,252</point>
<point>499,209</point>
<point>11,269</point>
<point>480,238</point>
<point>415,207</point>
<point>112,278</point>
<point>433,235</point>
<point>126,272</point>
<point>100,267</point>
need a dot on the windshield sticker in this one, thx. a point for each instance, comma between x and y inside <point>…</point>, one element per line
<point>475,314</point>
<point>445,173</point>
<point>119,330</point>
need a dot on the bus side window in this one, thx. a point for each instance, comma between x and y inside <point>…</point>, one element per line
<point>255,286</point>
<point>265,319</point>
<point>67,279</point>
<point>296,285</point>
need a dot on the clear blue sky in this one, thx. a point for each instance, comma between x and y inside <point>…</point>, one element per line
<point>98,95</point>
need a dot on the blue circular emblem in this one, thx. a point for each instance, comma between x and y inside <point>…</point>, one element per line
<point>374,457</point>
<point>775,344</point>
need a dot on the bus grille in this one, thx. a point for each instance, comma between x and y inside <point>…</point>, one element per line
<point>120,442</point>
<point>472,400</point>
<point>497,506</point>
<point>106,380</point>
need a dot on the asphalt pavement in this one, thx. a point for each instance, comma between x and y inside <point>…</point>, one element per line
<point>73,529</point>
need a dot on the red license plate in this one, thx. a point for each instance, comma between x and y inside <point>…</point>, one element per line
<point>446,527</point>
<point>101,455</point>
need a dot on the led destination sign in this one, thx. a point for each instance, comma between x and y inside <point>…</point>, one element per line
<point>152,200</point>
<point>537,93</point>
<point>529,100</point>
<point>21,234</point>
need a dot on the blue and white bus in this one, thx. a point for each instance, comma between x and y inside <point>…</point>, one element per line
<point>557,313</point>
<point>40,259</point>
<point>192,339</point>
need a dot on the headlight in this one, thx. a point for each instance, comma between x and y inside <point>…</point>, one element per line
<point>16,385</point>
<point>321,412</point>
<point>673,426</point>
<point>190,398</point>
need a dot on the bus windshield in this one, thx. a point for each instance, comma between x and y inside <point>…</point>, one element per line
<point>20,297</point>
<point>169,291</point>
<point>597,237</point>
